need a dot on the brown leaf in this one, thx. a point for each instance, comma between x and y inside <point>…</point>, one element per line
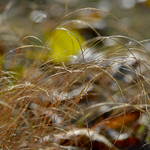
<point>126,120</point>
<point>130,144</point>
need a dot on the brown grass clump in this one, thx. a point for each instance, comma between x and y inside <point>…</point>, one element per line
<point>95,100</point>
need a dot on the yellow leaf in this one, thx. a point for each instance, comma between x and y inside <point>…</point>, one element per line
<point>64,43</point>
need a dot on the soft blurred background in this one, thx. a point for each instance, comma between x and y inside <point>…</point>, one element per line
<point>20,18</point>
<point>38,18</point>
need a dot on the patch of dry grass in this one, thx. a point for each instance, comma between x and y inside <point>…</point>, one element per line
<point>73,104</point>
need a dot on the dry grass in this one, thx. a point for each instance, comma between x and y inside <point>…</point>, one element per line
<point>70,104</point>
